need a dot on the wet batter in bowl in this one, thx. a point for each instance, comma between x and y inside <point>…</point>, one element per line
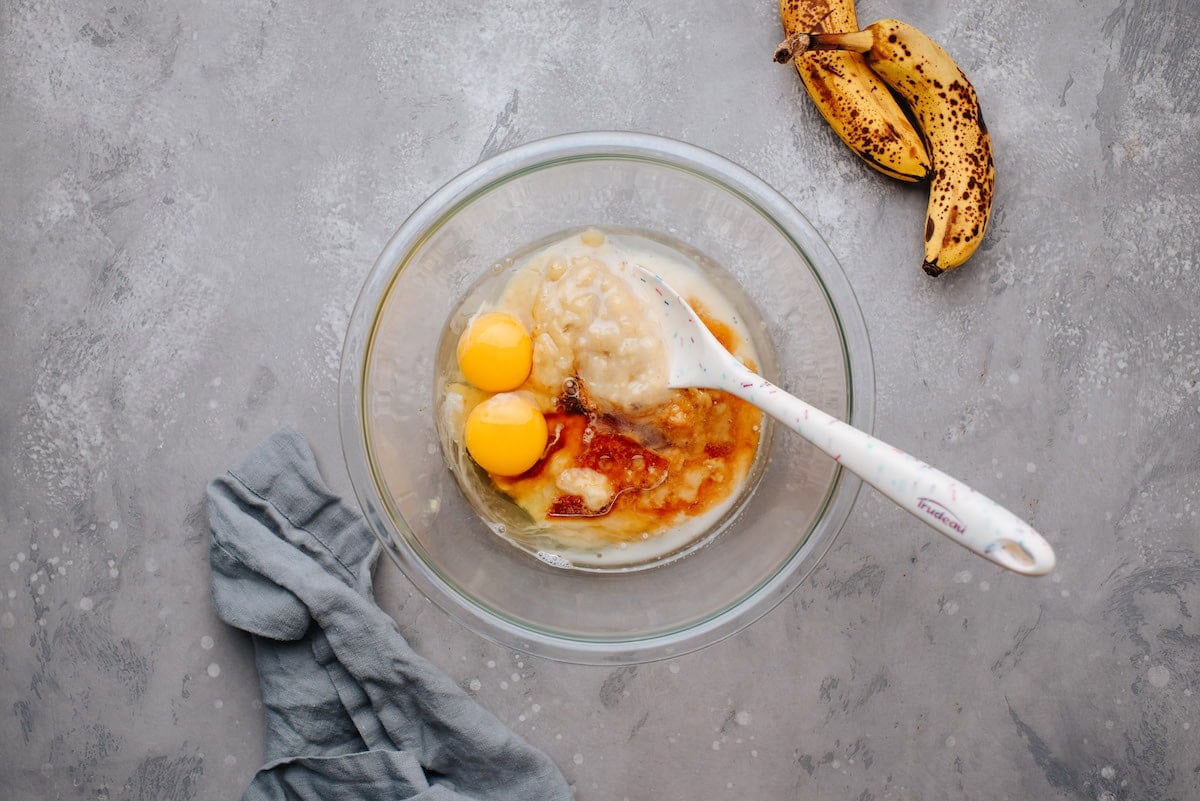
<point>559,395</point>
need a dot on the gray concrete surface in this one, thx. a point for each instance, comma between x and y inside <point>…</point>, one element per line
<point>191,194</point>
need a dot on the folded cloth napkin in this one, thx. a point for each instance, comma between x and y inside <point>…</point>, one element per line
<point>351,711</point>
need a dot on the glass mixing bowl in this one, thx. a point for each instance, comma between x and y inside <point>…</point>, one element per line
<point>816,347</point>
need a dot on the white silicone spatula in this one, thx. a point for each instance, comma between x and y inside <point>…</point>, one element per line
<point>969,518</point>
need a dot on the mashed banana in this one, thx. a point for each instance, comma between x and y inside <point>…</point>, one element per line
<point>588,323</point>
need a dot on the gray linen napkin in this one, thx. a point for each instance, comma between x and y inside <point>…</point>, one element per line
<point>351,711</point>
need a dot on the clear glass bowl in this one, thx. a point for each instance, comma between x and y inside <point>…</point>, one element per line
<point>530,194</point>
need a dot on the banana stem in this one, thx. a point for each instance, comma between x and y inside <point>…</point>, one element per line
<point>799,43</point>
<point>791,47</point>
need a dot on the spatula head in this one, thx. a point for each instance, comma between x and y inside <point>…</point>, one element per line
<point>695,357</point>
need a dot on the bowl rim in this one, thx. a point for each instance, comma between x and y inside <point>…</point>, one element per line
<point>476,181</point>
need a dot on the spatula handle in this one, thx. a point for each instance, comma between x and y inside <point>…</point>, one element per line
<point>968,517</point>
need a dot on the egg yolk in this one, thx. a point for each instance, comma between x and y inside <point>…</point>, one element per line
<point>495,353</point>
<point>506,434</point>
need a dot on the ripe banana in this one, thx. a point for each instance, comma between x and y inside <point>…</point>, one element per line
<point>947,111</point>
<point>852,99</point>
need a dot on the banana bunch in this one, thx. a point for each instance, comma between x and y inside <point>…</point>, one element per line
<point>943,104</point>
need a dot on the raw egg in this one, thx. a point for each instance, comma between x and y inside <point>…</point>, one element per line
<point>506,434</point>
<point>495,353</point>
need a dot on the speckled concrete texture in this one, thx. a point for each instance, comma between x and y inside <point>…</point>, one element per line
<point>191,194</point>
